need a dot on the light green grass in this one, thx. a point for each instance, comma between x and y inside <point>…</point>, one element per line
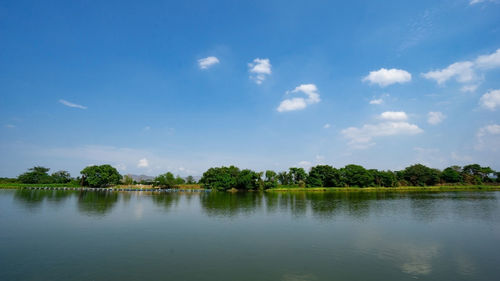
<point>23,185</point>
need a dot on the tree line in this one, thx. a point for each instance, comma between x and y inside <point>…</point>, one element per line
<point>225,178</point>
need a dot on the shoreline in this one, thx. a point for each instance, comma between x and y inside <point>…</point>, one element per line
<point>188,188</point>
<point>391,189</point>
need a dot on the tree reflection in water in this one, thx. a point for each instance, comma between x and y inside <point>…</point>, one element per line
<point>96,203</point>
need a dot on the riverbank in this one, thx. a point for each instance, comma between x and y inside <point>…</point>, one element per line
<point>277,189</point>
<point>138,187</point>
<point>385,189</point>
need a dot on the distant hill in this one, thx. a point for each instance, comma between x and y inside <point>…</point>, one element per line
<point>139,178</point>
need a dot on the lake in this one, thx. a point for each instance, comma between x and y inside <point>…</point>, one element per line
<point>74,235</point>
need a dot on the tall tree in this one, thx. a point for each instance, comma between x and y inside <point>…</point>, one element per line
<point>37,175</point>
<point>271,180</point>
<point>297,175</point>
<point>356,175</point>
<point>452,175</point>
<point>166,180</point>
<point>100,176</point>
<point>420,175</point>
<point>61,177</point>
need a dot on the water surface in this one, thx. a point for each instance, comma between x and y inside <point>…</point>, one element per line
<point>73,235</point>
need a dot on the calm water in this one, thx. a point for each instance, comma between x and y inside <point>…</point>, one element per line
<point>70,235</point>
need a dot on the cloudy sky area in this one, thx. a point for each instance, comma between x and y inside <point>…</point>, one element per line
<point>184,86</point>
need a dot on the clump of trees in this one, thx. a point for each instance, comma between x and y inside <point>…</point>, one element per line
<point>40,175</point>
<point>224,178</point>
<point>100,176</point>
<point>168,180</point>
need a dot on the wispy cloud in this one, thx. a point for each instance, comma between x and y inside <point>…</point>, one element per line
<point>207,62</point>
<point>465,71</point>
<point>312,96</point>
<point>490,100</point>
<point>488,138</point>
<point>473,2</point>
<point>376,101</point>
<point>259,70</point>
<point>10,126</point>
<point>143,163</point>
<point>393,123</point>
<point>70,104</point>
<point>435,118</point>
<point>385,77</point>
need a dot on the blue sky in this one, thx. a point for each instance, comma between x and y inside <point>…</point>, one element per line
<point>182,86</point>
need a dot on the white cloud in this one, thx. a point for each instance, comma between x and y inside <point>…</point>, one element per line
<point>143,163</point>
<point>469,88</point>
<point>312,97</point>
<point>488,137</point>
<point>490,129</point>
<point>70,104</point>
<point>473,2</point>
<point>465,71</point>
<point>385,77</point>
<point>326,126</point>
<point>435,118</point>
<point>10,126</point>
<point>376,101</point>
<point>394,116</point>
<point>207,62</point>
<point>394,124</point>
<point>461,71</point>
<point>489,61</point>
<point>259,68</point>
<point>490,100</point>
<point>292,104</point>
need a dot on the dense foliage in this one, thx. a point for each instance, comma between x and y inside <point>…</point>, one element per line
<point>225,178</point>
<point>40,175</point>
<point>166,180</point>
<point>100,176</point>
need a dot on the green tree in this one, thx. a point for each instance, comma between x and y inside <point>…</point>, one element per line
<point>36,175</point>
<point>271,180</point>
<point>297,175</point>
<point>100,176</point>
<point>128,180</point>
<point>324,175</point>
<point>247,180</point>
<point>383,178</point>
<point>475,174</point>
<point>179,180</point>
<point>220,178</point>
<point>166,180</point>
<point>420,175</point>
<point>284,178</point>
<point>452,175</point>
<point>355,175</point>
<point>190,180</point>
<point>61,177</point>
